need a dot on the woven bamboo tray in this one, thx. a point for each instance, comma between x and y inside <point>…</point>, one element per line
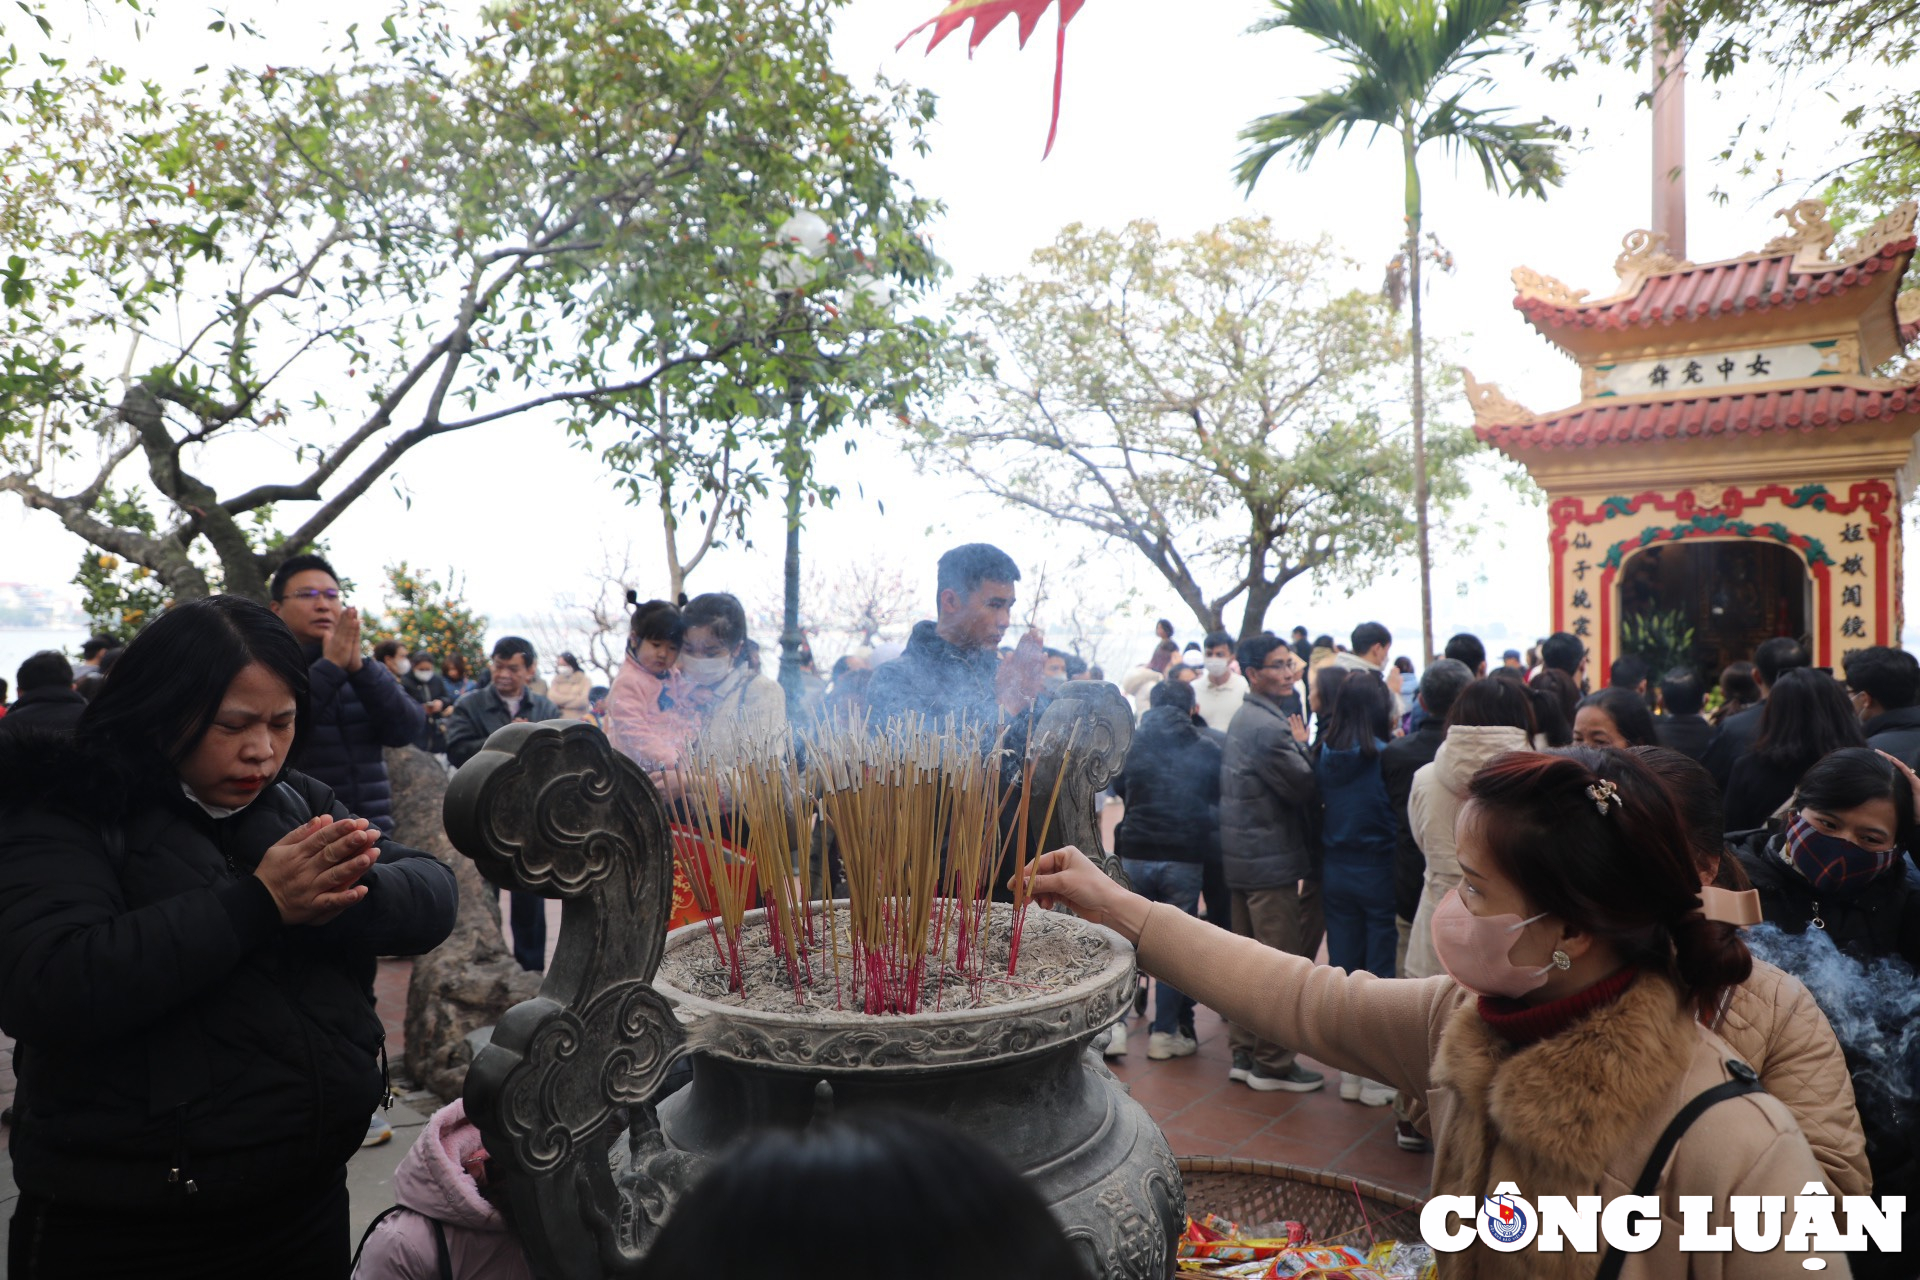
<point>1336,1208</point>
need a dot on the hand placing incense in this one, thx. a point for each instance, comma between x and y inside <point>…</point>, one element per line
<point>1067,877</point>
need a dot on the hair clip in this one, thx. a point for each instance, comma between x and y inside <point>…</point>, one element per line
<point>1604,795</point>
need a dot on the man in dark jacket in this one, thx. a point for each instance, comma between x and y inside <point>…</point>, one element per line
<point>47,700</point>
<point>951,666</point>
<point>1399,761</point>
<point>477,717</point>
<point>1773,659</point>
<point>359,709</point>
<point>1170,785</point>
<point>1268,819</point>
<point>1884,685</point>
<point>1683,728</point>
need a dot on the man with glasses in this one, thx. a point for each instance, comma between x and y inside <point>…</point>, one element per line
<point>358,707</point>
<point>507,699</point>
<point>1269,841</point>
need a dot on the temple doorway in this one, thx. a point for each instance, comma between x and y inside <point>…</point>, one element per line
<point>1735,593</point>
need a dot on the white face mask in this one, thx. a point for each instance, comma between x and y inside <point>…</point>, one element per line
<point>1217,668</point>
<point>423,674</point>
<point>705,670</point>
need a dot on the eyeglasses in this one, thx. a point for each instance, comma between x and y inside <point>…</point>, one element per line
<point>315,593</point>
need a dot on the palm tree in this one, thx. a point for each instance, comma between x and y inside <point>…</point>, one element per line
<point>1411,64</point>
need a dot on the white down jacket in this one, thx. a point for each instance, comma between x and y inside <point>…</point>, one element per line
<point>1439,789</point>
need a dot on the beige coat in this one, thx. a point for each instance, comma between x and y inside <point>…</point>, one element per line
<point>744,709</point>
<point>1576,1114</point>
<point>1772,1023</point>
<point>1439,789</point>
<point>572,692</point>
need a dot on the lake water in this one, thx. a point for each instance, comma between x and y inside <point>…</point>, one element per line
<point>18,644</point>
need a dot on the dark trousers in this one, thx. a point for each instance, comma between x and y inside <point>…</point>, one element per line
<point>1219,899</point>
<point>1357,894</point>
<point>527,914</point>
<point>295,1237</point>
<point>1178,885</point>
<point>1286,919</point>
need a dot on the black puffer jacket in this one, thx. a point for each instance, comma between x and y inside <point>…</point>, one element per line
<point>56,709</point>
<point>1269,801</point>
<point>1895,732</point>
<point>1170,785</point>
<point>167,1019</point>
<point>1882,918</point>
<point>354,717</point>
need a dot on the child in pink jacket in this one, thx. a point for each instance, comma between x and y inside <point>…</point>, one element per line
<point>439,1187</point>
<point>649,717</point>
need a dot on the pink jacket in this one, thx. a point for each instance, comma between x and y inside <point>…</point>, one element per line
<point>638,727</point>
<point>430,1184</point>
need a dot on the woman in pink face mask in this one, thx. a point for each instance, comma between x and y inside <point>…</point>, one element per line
<point>1562,1040</point>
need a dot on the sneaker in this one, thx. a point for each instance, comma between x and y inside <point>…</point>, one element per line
<point>1242,1065</point>
<point>1296,1080</point>
<point>1375,1094</point>
<point>378,1131</point>
<point>1410,1138</point>
<point>1117,1044</point>
<point>1186,1029</point>
<point>1161,1046</point>
<point>1349,1086</point>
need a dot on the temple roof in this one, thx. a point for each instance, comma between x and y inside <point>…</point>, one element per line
<point>1796,269</point>
<point>1720,288</point>
<point>1703,416</point>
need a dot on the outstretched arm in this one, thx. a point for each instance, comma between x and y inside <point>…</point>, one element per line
<point>1383,1029</point>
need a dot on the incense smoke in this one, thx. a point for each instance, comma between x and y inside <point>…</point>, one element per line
<point>1874,1009</point>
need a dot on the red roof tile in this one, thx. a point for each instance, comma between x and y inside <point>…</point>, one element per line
<point>1624,422</point>
<point>1716,289</point>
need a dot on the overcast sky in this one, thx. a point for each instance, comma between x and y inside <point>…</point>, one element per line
<point>1155,94</point>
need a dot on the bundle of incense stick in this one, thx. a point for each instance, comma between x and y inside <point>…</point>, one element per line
<point>919,811</point>
<point>727,874</point>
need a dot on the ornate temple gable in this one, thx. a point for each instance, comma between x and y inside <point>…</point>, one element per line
<point>1796,288</point>
<point>1491,406</point>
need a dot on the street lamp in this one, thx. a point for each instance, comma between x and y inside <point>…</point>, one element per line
<point>807,235</point>
<point>806,238</point>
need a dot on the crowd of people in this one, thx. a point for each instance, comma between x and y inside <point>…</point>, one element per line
<point>1561,872</point>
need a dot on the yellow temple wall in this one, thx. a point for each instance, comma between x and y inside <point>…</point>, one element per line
<point>1846,532</point>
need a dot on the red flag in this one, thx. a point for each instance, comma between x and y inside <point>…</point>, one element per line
<point>988,14</point>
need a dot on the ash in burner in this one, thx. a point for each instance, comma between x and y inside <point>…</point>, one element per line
<point>1054,955</point>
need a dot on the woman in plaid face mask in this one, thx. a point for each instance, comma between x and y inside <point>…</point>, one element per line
<point>1836,859</point>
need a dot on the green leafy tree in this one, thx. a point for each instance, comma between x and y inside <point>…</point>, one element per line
<point>1411,65</point>
<point>425,615</point>
<point>1209,402</point>
<point>432,229</point>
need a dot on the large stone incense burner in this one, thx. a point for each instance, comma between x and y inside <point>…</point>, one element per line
<point>565,1093</point>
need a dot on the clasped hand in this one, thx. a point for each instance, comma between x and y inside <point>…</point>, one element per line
<point>314,872</point>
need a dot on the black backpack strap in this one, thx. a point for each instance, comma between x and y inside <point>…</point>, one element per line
<point>440,1249</point>
<point>366,1235</point>
<point>1744,1081</point>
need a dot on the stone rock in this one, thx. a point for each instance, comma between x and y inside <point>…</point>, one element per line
<point>471,979</point>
